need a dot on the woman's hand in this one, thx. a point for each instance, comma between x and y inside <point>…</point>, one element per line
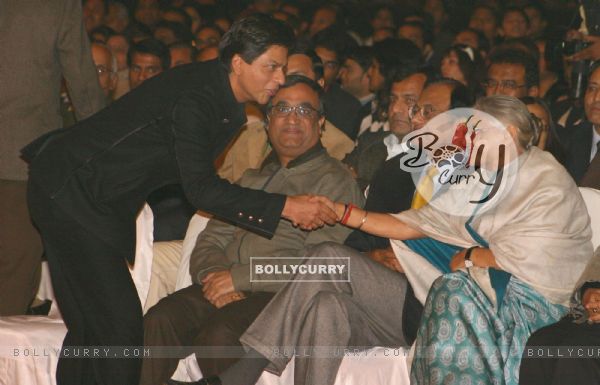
<point>480,257</point>
<point>591,302</point>
<point>458,260</point>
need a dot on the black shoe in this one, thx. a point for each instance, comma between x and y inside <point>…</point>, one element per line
<point>213,380</point>
<point>41,309</point>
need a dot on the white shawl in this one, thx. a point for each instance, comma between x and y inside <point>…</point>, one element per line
<point>540,231</point>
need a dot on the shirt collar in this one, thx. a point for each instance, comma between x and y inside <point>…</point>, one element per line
<point>364,100</point>
<point>309,154</point>
<point>595,141</point>
<point>393,145</point>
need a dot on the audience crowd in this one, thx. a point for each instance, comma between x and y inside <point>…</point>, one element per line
<point>359,78</point>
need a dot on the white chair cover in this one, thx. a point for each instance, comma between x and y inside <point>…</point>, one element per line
<point>591,197</point>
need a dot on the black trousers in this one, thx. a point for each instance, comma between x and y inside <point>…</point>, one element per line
<point>186,318</point>
<point>20,250</point>
<point>562,371</point>
<point>96,296</point>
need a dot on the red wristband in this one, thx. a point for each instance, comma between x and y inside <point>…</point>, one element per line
<point>347,215</point>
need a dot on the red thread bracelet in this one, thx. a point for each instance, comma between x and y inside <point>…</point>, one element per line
<point>347,215</point>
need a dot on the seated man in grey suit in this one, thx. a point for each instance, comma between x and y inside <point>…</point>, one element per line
<point>223,299</point>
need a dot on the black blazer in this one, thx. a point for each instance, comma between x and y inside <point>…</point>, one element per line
<point>391,191</point>
<point>342,110</point>
<point>579,149</point>
<point>168,130</point>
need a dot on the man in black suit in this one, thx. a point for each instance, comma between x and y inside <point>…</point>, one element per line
<point>87,184</point>
<point>584,139</point>
<point>343,109</point>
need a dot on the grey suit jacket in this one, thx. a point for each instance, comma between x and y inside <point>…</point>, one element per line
<point>42,41</point>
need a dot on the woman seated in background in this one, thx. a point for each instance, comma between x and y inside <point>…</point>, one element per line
<point>548,139</point>
<point>504,272</point>
<point>464,64</point>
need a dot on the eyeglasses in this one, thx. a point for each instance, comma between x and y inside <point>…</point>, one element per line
<point>504,84</point>
<point>331,64</point>
<point>303,111</point>
<point>427,111</point>
<point>103,70</point>
<point>207,41</point>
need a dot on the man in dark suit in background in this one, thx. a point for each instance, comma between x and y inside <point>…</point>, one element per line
<point>87,184</point>
<point>343,109</point>
<point>584,138</point>
<point>42,42</point>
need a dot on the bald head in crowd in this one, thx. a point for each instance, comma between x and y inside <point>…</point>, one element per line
<point>106,68</point>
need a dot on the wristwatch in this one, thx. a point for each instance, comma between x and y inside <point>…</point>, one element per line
<point>468,262</point>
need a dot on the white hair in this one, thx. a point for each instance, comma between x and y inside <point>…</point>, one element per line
<point>511,111</point>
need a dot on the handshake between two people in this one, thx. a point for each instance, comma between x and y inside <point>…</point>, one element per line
<point>310,212</point>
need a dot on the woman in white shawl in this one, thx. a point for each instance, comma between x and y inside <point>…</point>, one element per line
<point>511,271</point>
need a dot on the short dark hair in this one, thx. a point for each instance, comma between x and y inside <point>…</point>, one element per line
<point>317,63</point>
<point>426,32</point>
<point>136,30</point>
<point>336,40</point>
<point>460,96</point>
<point>363,56</point>
<point>396,54</point>
<point>538,7</point>
<point>252,36</point>
<point>187,20</point>
<point>518,57</point>
<point>492,10</point>
<point>292,80</point>
<point>398,59</point>
<point>517,10</point>
<point>212,26</point>
<point>482,42</point>
<point>184,44</point>
<point>180,31</point>
<point>374,10</point>
<point>105,4</point>
<point>151,47</point>
<point>102,30</point>
<point>523,43</point>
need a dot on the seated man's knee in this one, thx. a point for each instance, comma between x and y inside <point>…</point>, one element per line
<point>164,313</point>
<point>325,249</point>
<point>326,300</point>
<point>219,333</point>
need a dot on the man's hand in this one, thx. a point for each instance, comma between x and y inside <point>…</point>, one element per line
<point>590,53</point>
<point>217,284</point>
<point>591,302</point>
<point>338,208</point>
<point>228,298</point>
<point>308,212</point>
<point>387,258</point>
